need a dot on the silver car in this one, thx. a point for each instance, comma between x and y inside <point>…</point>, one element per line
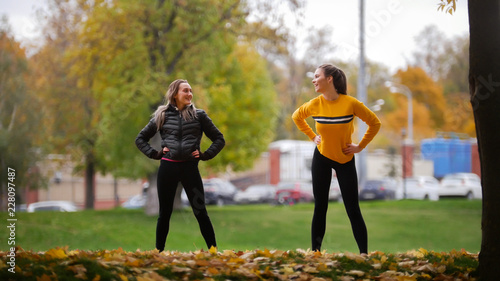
<point>256,194</point>
<point>58,206</point>
<point>135,202</point>
<point>466,185</point>
<point>421,188</point>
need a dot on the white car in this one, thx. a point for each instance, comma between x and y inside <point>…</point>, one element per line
<point>135,202</point>
<point>420,187</point>
<point>466,185</point>
<point>59,206</point>
<point>263,193</point>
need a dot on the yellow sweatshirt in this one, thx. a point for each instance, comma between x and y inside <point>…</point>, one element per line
<point>335,124</point>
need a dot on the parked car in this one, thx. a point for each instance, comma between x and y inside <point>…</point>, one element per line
<point>384,189</point>
<point>466,185</point>
<point>294,192</point>
<point>419,187</point>
<point>135,202</point>
<point>263,193</point>
<point>218,191</point>
<point>22,208</point>
<point>58,206</point>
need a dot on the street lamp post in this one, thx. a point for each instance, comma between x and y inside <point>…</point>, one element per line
<point>403,160</point>
<point>407,146</point>
<point>362,95</point>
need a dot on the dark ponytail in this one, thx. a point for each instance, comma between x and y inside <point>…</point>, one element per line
<point>339,78</point>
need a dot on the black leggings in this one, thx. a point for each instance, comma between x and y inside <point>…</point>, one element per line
<point>169,175</point>
<point>348,182</point>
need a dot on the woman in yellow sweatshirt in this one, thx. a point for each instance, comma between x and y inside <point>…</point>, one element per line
<point>334,112</point>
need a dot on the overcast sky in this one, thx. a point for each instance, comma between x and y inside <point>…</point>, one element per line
<point>390,25</point>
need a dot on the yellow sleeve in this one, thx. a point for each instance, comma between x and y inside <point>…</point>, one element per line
<point>365,114</point>
<point>299,117</point>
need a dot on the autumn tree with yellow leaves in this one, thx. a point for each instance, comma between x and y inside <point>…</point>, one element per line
<point>19,120</point>
<point>110,63</point>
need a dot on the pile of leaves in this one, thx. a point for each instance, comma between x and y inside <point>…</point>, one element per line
<point>64,264</point>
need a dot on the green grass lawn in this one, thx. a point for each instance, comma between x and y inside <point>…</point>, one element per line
<point>393,226</point>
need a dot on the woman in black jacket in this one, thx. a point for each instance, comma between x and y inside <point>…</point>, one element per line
<point>181,127</point>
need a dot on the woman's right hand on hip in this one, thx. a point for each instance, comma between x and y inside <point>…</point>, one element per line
<point>317,139</point>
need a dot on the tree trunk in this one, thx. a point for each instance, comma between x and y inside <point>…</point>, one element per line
<point>152,206</point>
<point>484,84</point>
<point>89,181</point>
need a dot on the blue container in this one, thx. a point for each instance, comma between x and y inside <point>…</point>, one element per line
<point>460,156</point>
<point>438,151</point>
<point>448,155</point>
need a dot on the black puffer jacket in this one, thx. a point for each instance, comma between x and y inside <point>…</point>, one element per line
<point>181,137</point>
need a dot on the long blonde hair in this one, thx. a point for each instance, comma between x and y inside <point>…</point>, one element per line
<point>188,113</point>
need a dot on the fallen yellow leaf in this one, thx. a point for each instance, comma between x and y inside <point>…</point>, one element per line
<point>213,270</point>
<point>213,250</point>
<point>322,267</point>
<point>229,253</point>
<point>423,251</point>
<point>133,262</point>
<point>57,253</point>
<point>266,253</point>
<point>287,270</point>
<point>406,278</point>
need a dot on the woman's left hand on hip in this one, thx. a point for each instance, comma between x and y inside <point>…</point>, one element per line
<point>351,149</point>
